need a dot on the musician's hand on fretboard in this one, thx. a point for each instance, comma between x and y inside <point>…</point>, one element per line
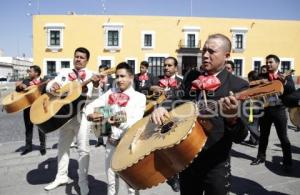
<point>229,106</point>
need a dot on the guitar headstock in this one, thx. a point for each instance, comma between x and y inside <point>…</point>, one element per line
<point>274,87</point>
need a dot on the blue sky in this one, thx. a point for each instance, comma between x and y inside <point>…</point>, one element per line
<point>16,19</point>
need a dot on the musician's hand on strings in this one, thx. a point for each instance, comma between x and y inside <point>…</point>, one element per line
<point>282,78</point>
<point>95,117</point>
<point>55,86</point>
<point>159,115</point>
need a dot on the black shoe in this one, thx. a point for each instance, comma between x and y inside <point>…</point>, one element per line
<point>26,150</point>
<point>174,183</point>
<point>43,151</point>
<point>257,161</point>
<point>99,143</point>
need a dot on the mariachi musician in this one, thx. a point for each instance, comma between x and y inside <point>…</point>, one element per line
<point>170,85</point>
<point>209,173</point>
<point>75,127</point>
<point>33,79</point>
<point>143,80</point>
<point>275,113</point>
<point>120,99</point>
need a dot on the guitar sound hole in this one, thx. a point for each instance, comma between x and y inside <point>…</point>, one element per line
<point>167,127</point>
<point>64,95</point>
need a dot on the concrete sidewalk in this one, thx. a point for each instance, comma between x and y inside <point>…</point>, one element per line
<point>29,174</point>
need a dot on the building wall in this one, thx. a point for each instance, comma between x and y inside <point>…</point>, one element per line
<point>262,37</point>
<point>14,67</point>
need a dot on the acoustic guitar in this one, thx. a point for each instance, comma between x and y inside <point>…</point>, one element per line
<point>50,112</point>
<point>153,101</point>
<point>149,154</point>
<point>18,101</point>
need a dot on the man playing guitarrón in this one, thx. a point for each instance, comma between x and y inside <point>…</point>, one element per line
<point>209,173</point>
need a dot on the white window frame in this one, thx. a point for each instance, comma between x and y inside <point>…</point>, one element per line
<point>111,58</point>
<point>243,65</point>
<point>113,27</point>
<point>135,62</point>
<point>191,30</point>
<point>292,60</point>
<point>152,33</point>
<point>57,63</point>
<point>55,27</point>
<point>235,31</point>
<point>261,59</point>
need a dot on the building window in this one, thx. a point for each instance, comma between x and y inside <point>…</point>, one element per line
<point>191,40</point>
<point>238,67</point>
<point>132,65</point>
<point>156,65</point>
<point>256,66</point>
<point>191,37</point>
<point>65,64</point>
<point>51,67</point>
<point>148,40</point>
<point>285,65</point>
<point>54,36</point>
<point>106,63</point>
<point>239,39</point>
<point>113,38</point>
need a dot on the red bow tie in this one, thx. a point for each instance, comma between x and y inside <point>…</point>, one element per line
<point>118,98</point>
<point>273,76</point>
<point>143,77</point>
<point>81,73</point>
<point>209,83</point>
<point>35,82</point>
<point>168,82</point>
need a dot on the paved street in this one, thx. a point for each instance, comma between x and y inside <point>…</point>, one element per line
<point>29,174</point>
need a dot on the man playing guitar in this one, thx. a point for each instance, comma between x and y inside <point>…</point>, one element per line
<point>74,126</point>
<point>34,79</point>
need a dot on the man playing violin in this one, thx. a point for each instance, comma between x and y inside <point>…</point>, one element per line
<point>33,79</point>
